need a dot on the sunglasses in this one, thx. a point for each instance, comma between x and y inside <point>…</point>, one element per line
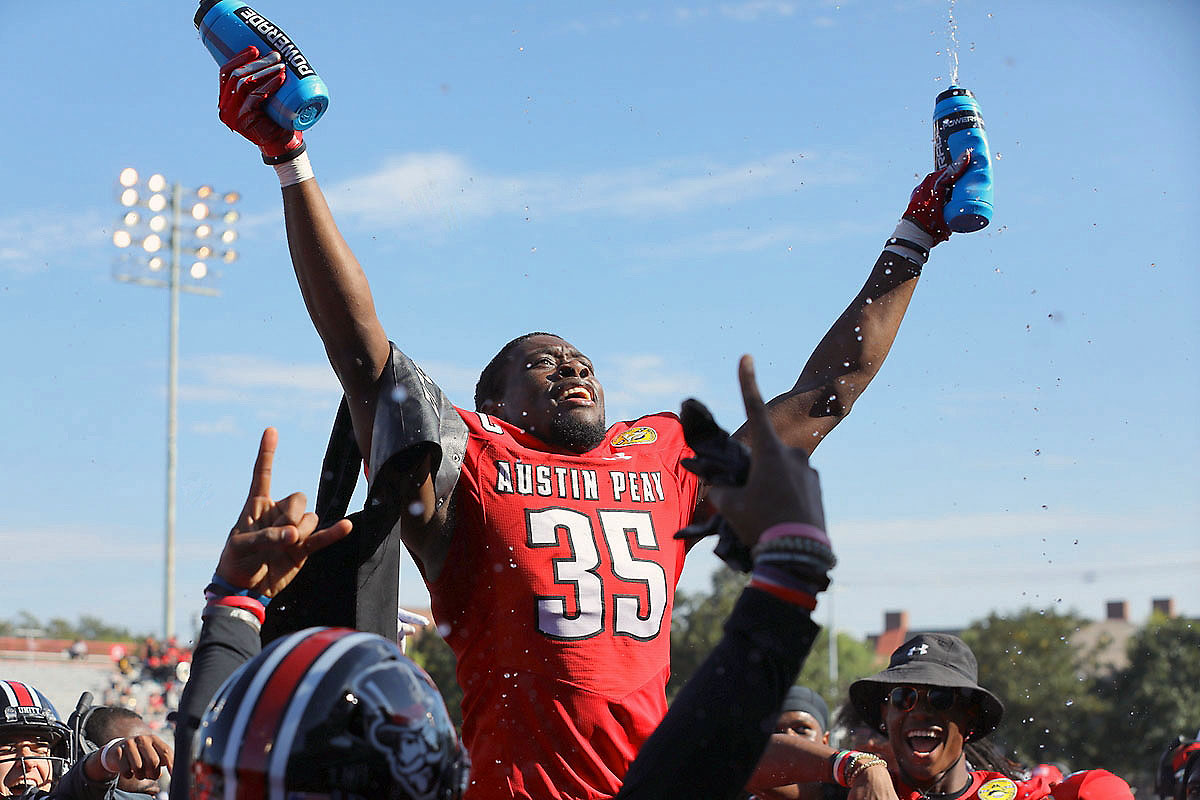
<point>904,698</point>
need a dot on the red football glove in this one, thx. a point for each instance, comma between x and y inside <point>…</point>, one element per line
<point>246,83</point>
<point>928,202</point>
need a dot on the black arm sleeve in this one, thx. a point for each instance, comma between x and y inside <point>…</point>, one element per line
<point>354,583</point>
<point>714,733</point>
<point>225,644</point>
<point>412,414</point>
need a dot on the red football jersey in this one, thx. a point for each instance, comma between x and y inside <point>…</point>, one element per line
<point>556,599</point>
<point>987,786</point>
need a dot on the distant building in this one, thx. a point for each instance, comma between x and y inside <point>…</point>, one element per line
<point>896,631</point>
<point>1109,637</point>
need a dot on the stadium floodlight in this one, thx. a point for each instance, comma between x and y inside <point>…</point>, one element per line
<point>152,248</point>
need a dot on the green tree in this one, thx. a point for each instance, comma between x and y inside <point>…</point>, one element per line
<point>87,627</point>
<point>1157,696</point>
<point>432,653</point>
<point>1053,711</point>
<point>856,659</point>
<point>697,623</point>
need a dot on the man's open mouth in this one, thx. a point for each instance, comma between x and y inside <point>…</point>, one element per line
<point>924,741</point>
<point>577,394</point>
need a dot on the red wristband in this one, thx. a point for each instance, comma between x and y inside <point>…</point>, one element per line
<point>242,602</point>
<point>784,593</point>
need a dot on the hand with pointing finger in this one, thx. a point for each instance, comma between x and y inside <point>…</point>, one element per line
<point>272,538</point>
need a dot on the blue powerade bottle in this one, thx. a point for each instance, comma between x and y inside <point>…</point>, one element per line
<point>227,27</point>
<point>957,126</point>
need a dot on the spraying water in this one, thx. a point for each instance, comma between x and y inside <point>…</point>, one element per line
<point>952,47</point>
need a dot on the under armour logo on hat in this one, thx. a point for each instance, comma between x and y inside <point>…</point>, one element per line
<point>918,650</point>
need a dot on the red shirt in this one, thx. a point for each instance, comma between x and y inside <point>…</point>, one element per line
<point>986,786</point>
<point>557,596</point>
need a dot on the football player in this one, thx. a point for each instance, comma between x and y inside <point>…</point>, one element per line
<point>543,532</point>
<point>36,751</point>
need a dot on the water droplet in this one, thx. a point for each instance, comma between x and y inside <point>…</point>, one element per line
<point>1070,702</point>
<point>887,271</point>
<point>845,363</point>
<point>999,155</point>
<point>399,394</point>
<point>416,508</point>
<point>869,301</point>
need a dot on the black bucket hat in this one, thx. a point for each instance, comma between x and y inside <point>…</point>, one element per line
<point>929,659</point>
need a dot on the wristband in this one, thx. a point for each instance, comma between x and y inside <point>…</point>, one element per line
<point>247,604</point>
<point>219,587</point>
<point>234,613</point>
<point>104,756</point>
<point>836,762</point>
<point>783,586</point>
<point>783,530</point>
<point>294,170</point>
<point>911,242</point>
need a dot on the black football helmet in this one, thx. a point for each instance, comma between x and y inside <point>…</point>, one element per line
<point>26,713</point>
<point>328,712</point>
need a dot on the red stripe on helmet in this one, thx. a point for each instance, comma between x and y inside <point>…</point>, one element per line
<point>24,694</point>
<point>261,730</point>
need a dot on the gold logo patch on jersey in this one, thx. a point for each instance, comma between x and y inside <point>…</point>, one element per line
<point>639,435</point>
<point>998,789</point>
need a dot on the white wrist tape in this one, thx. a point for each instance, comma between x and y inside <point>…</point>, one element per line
<point>908,241</point>
<point>294,171</point>
<point>104,757</point>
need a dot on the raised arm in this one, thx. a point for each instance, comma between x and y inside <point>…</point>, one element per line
<point>334,286</point>
<point>265,549</point>
<point>851,353</point>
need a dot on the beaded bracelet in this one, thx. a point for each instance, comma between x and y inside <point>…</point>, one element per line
<point>846,765</point>
<point>861,764</point>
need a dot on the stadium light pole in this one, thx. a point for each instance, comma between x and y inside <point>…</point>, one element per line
<point>140,237</point>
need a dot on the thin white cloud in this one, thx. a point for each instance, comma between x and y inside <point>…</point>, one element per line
<point>757,9</point>
<point>442,191</point>
<point>239,379</point>
<point>741,240</point>
<point>62,544</point>
<point>636,384</point>
<point>995,526</point>
<point>35,241</point>
<point>215,427</point>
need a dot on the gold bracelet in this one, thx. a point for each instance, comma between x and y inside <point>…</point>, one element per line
<point>860,764</point>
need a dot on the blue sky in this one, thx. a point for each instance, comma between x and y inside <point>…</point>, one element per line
<point>668,185</point>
